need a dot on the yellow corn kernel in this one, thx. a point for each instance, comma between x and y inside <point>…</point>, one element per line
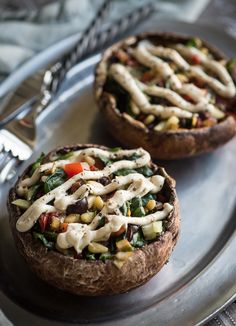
<point>124,245</point>
<point>205,51</point>
<point>129,212</point>
<point>87,217</point>
<point>151,204</point>
<point>161,126</point>
<point>89,160</point>
<point>183,78</point>
<point>72,218</point>
<point>134,108</point>
<point>98,203</point>
<point>118,263</point>
<point>172,123</point>
<point>124,255</point>
<point>97,248</point>
<point>149,119</point>
<point>198,42</point>
<point>194,120</point>
<point>55,224</point>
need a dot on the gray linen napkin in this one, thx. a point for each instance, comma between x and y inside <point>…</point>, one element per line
<point>21,39</point>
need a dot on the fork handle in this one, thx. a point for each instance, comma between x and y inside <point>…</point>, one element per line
<point>59,70</point>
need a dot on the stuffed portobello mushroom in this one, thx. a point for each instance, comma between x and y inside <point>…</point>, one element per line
<point>93,220</point>
<point>170,94</point>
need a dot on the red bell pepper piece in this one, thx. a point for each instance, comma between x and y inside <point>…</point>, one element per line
<point>93,168</point>
<point>195,59</point>
<point>43,221</point>
<point>72,169</point>
<point>187,98</point>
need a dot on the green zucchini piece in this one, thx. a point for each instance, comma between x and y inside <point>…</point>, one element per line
<point>22,203</point>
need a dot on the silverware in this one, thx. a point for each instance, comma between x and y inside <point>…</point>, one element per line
<point>18,137</point>
<point>102,39</point>
<point>53,76</point>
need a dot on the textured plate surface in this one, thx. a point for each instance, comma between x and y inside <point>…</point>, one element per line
<point>200,276</point>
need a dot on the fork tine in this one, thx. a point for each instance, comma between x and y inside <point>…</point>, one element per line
<point>9,169</point>
<point>4,158</point>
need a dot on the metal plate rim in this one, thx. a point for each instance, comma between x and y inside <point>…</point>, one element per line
<point>231,298</point>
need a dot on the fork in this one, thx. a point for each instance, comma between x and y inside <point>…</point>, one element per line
<point>19,136</point>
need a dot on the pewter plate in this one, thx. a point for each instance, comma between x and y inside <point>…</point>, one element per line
<point>200,277</point>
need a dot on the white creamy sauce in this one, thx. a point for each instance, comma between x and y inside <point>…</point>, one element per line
<point>154,57</point>
<point>124,187</point>
<point>132,86</point>
<point>225,87</point>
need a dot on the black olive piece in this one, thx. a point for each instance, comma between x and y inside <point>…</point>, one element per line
<point>80,207</point>
<point>151,125</point>
<point>204,115</point>
<point>130,231</point>
<point>104,181</point>
<point>78,256</point>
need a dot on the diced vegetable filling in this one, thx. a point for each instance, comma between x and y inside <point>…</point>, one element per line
<point>90,211</point>
<point>176,86</point>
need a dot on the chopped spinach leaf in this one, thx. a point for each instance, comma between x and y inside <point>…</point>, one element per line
<point>37,163</point>
<point>133,157</point>
<point>121,95</point>
<point>42,238</point>
<point>115,149</point>
<point>105,256</point>
<point>112,244</point>
<point>64,156</point>
<point>146,198</point>
<point>105,160</point>
<point>114,87</point>
<point>145,170</point>
<point>50,235</point>
<point>124,172</point>
<point>139,211</point>
<point>90,256</point>
<point>54,180</point>
<point>192,43</point>
<point>135,203</point>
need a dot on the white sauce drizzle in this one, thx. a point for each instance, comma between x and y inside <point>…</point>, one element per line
<point>153,57</point>
<point>125,79</point>
<point>226,88</point>
<point>124,187</point>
